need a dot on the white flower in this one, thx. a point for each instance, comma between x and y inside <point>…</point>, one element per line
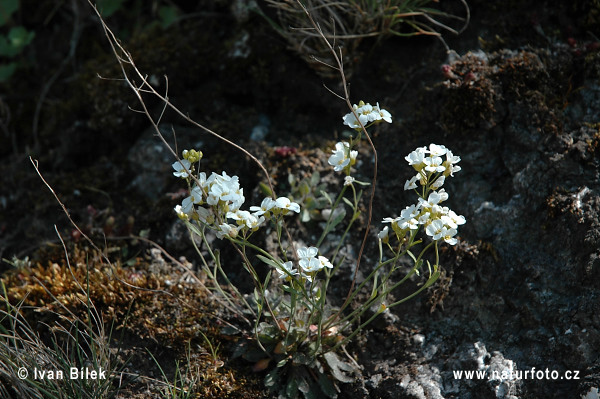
<point>227,229</point>
<point>286,205</point>
<point>181,168</point>
<point>416,158</point>
<point>307,252</point>
<point>265,206</point>
<point>195,197</point>
<point>239,216</point>
<point>205,215</point>
<point>367,110</point>
<point>245,218</point>
<point>407,219</point>
<point>448,236</point>
<point>451,158</point>
<point>324,262</point>
<point>412,183</point>
<point>385,115</point>
<point>351,121</point>
<point>348,180</point>
<point>452,220</point>
<point>339,160</point>
<point>438,231</point>
<point>310,265</point>
<point>360,110</point>
<point>443,195</point>
<point>437,150</point>
<point>450,163</point>
<point>287,270</point>
<point>383,235</point>
<point>254,222</point>
<point>424,217</point>
<point>439,182</point>
<point>434,198</point>
<point>435,229</point>
<point>181,214</point>
<point>411,223</point>
<point>225,191</point>
<point>409,212</point>
<point>434,164</point>
<point>366,114</point>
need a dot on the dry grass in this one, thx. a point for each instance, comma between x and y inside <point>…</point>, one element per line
<point>347,23</point>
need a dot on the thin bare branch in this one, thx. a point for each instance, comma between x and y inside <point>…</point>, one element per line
<point>127,59</point>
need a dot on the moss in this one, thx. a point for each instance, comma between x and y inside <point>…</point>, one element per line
<point>151,305</point>
<point>469,98</point>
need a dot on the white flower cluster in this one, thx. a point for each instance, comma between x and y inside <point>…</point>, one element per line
<point>342,158</point>
<point>367,114</point>
<point>439,222</point>
<point>309,263</point>
<point>223,198</point>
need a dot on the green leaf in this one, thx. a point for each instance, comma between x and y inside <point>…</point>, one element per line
<point>7,70</point>
<point>265,189</point>
<point>109,7</point>
<point>315,179</point>
<point>4,46</point>
<point>240,349</point>
<point>20,37</point>
<point>257,296</point>
<point>305,216</point>
<point>301,358</point>
<point>272,378</point>
<point>7,9</point>
<point>304,386</point>
<point>168,15</point>
<point>268,278</point>
<point>327,386</point>
<point>304,188</point>
<point>291,389</point>
<point>350,204</point>
<point>339,369</point>
<point>310,203</point>
<point>327,197</point>
<point>337,220</point>
<point>268,261</point>
<point>193,228</point>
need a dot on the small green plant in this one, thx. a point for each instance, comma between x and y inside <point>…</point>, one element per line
<point>184,382</point>
<point>310,193</point>
<point>13,41</point>
<point>296,331</point>
<point>295,327</point>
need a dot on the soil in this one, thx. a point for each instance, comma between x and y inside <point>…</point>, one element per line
<point>516,96</point>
